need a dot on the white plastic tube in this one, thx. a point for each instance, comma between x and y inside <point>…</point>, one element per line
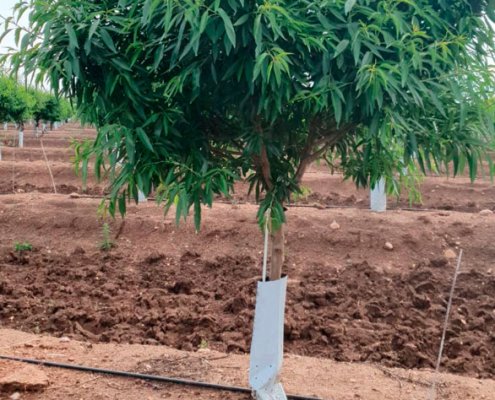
<point>378,197</point>
<point>267,346</point>
<point>21,139</point>
<point>141,197</point>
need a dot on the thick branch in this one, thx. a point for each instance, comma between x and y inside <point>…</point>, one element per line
<point>330,137</point>
<point>265,168</point>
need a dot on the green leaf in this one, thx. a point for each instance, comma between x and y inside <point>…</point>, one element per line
<point>490,10</point>
<point>107,39</point>
<point>349,5</point>
<point>257,30</point>
<point>122,203</point>
<point>341,47</point>
<point>197,214</point>
<point>229,28</point>
<point>242,20</point>
<point>145,139</point>
<point>72,37</point>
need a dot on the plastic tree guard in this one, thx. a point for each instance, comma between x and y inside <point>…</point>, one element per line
<point>378,197</point>
<point>141,197</point>
<point>21,139</point>
<point>267,346</point>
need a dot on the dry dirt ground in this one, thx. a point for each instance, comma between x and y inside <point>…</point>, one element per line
<point>316,377</point>
<point>349,299</point>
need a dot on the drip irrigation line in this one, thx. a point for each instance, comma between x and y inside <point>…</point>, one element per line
<point>135,375</point>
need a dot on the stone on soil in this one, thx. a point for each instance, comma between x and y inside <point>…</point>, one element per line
<point>24,379</point>
<point>449,253</point>
<point>388,246</point>
<point>334,225</point>
<point>486,212</point>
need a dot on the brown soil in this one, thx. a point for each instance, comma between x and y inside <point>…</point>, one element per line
<point>33,176</point>
<point>164,285</point>
<point>29,173</point>
<point>36,154</point>
<point>349,299</point>
<point>317,377</point>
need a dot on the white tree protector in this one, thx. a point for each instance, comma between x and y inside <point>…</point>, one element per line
<point>267,346</point>
<point>378,197</point>
<point>141,197</point>
<point>5,126</point>
<point>21,139</point>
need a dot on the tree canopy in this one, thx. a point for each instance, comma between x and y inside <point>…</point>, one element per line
<point>18,103</point>
<point>15,101</point>
<point>189,96</point>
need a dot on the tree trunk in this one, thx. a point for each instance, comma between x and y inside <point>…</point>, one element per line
<point>278,256</point>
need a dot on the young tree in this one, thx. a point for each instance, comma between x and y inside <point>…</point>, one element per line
<point>49,108</point>
<point>190,96</point>
<point>15,102</point>
<point>40,99</point>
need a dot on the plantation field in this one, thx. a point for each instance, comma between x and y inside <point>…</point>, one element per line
<point>349,298</point>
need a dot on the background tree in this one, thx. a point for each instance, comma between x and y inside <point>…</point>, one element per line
<point>15,102</point>
<point>190,96</point>
<point>47,108</point>
<point>40,100</point>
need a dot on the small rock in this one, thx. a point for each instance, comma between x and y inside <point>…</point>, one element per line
<point>334,225</point>
<point>449,253</point>
<point>486,212</point>
<point>74,195</point>
<point>26,379</point>
<point>421,302</point>
<point>388,246</point>
<point>64,339</point>
<point>15,396</point>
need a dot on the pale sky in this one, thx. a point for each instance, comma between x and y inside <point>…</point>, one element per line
<point>6,11</point>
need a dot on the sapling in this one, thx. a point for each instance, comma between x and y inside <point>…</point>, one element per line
<point>106,243</point>
<point>22,247</point>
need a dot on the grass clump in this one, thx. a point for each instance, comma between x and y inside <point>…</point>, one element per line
<point>22,247</point>
<point>106,243</point>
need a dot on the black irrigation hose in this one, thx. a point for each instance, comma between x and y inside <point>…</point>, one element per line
<point>124,374</point>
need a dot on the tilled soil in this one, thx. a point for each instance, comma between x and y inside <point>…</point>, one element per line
<point>355,313</point>
<point>349,299</point>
